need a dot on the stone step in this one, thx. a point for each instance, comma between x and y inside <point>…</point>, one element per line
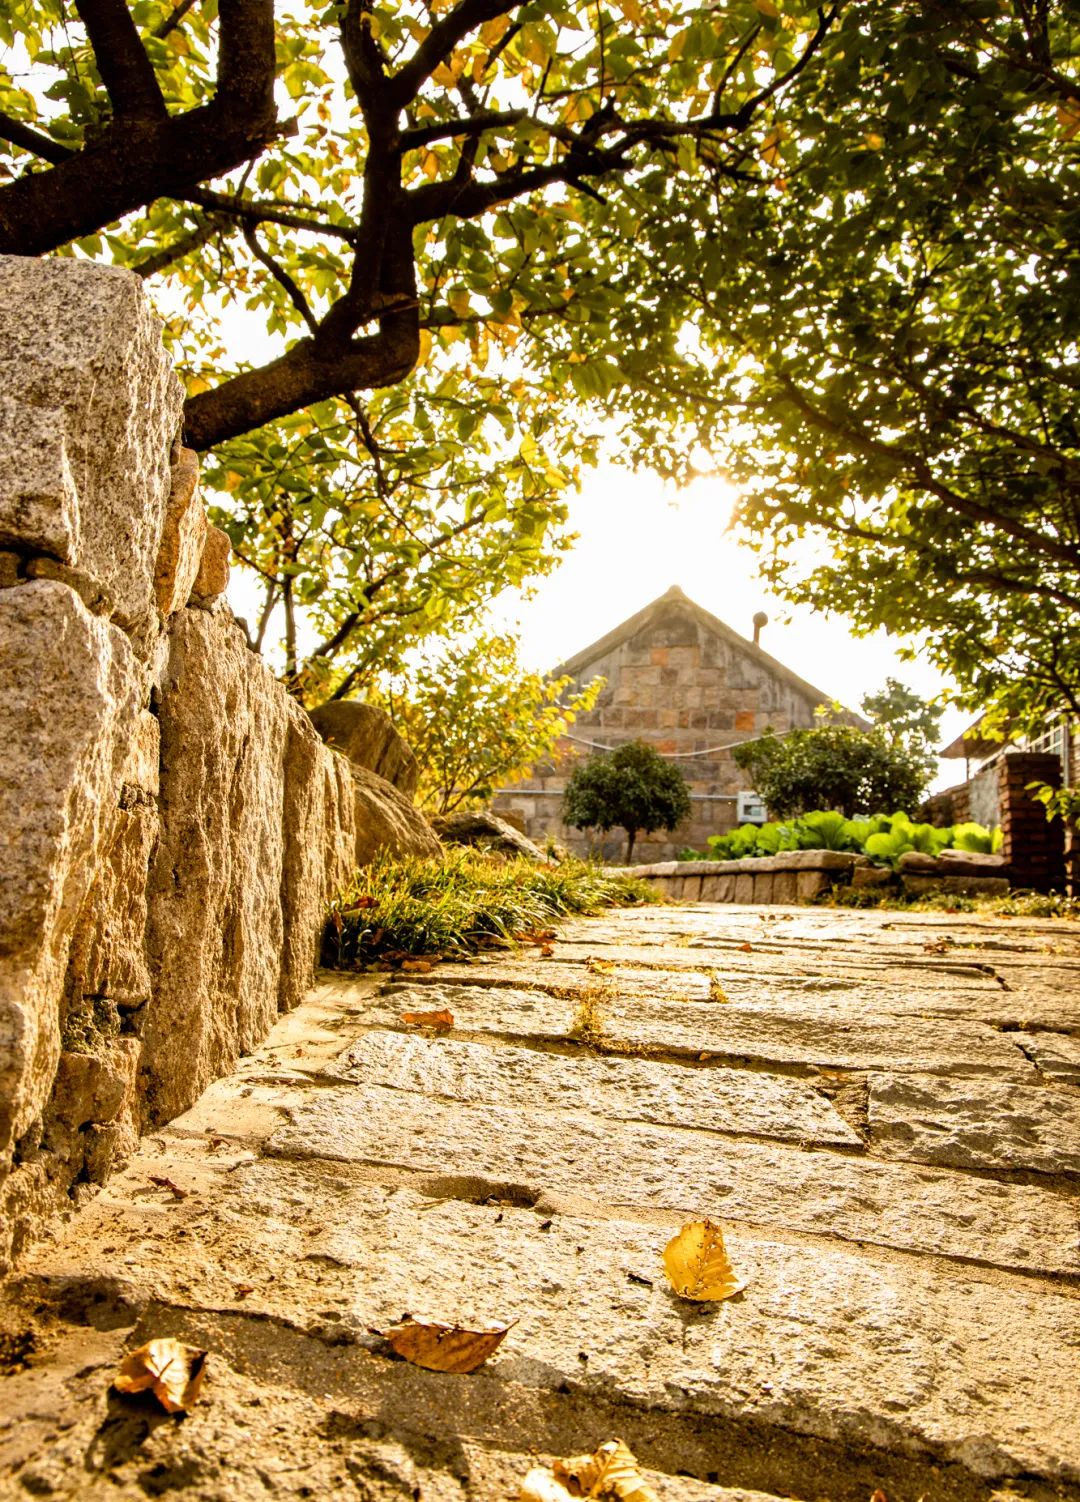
<point>587,1160</point>
<point>837,1370</point>
<point>624,1089</point>
<point>831,1039</point>
<point>974,1123</point>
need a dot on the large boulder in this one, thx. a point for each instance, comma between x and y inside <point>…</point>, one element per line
<point>72,690</point>
<point>249,820</point>
<point>86,436</point>
<point>387,820</point>
<point>369,738</point>
<point>487,831</point>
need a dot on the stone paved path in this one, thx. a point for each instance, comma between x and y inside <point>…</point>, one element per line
<point>882,1109</point>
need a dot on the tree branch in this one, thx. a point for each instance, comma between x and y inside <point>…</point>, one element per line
<point>126,71</point>
<point>438,45</point>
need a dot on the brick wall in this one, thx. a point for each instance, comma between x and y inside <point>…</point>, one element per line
<point>1033,846</point>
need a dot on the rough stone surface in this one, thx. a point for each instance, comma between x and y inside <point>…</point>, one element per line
<point>386,819</point>
<point>488,831</point>
<point>72,690</point>
<point>183,535</point>
<point>975,1124</point>
<point>39,505</point>
<point>79,338</point>
<point>1056,1054</point>
<point>906,1330</point>
<point>722,1100</point>
<point>212,580</point>
<point>368,737</point>
<point>219,961</point>
<point>591,1161</point>
<point>837,1041</point>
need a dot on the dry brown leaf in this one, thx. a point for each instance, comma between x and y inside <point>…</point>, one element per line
<point>422,967</point>
<point>172,1371</point>
<point>600,966</point>
<point>444,1348</point>
<point>747,948</point>
<point>540,1486</point>
<point>445,1018</point>
<point>164,1183</point>
<point>698,1265</point>
<point>610,1471</point>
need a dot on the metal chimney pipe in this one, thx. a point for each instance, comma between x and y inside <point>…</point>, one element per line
<point>760,619</point>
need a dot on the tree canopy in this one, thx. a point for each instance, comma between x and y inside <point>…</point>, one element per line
<point>840,245</point>
<point>476,719</point>
<point>887,345</point>
<point>631,788</point>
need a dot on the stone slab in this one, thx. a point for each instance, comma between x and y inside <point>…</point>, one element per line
<point>1056,1054</point>
<point>39,504</point>
<point>965,1123</point>
<point>836,1040</point>
<point>625,980</point>
<point>589,1160</point>
<point>723,1100</point>
<point>825,1340</point>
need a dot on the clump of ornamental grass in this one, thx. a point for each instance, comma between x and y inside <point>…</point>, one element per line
<point>462,901</point>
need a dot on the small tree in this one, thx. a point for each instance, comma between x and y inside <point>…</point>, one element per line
<point>906,719</point>
<point>475,718</point>
<point>631,788</point>
<point>835,766</point>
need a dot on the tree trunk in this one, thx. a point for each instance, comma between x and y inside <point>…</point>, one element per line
<point>631,836</point>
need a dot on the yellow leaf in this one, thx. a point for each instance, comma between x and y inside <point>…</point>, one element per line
<point>678,45</point>
<point>873,140</point>
<point>770,147</point>
<point>1069,119</point>
<point>610,1471</point>
<point>430,165</point>
<point>494,31</point>
<point>697,1264</point>
<point>444,1348</point>
<point>458,298</point>
<point>172,1371</point>
<point>632,11</point>
<point>425,348</point>
<point>443,1018</point>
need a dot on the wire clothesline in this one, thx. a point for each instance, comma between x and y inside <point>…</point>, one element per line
<point>580,740</point>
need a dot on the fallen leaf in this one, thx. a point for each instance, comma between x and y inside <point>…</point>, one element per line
<point>420,966</point>
<point>546,951</point>
<point>164,1183</point>
<point>242,1290</point>
<point>443,1348</point>
<point>747,948</point>
<point>698,1265</point>
<point>603,966</point>
<point>172,1371</point>
<point>610,1471</point>
<point>445,1018</point>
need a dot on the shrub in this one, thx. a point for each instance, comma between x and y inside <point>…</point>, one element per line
<point>631,788</point>
<point>834,767</point>
<point>885,837</point>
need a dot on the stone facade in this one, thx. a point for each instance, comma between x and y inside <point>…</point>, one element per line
<point>171,825</point>
<point>682,680</point>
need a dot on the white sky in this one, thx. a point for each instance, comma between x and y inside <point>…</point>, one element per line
<point>638,538</point>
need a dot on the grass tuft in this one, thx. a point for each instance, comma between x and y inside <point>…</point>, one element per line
<point>461,902</point>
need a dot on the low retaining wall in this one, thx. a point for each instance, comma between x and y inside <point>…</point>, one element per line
<point>802,875</point>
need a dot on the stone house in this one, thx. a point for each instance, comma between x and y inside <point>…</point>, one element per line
<point>682,680</point>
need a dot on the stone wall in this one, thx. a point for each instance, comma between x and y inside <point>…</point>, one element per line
<point>684,682</point>
<point>171,826</point>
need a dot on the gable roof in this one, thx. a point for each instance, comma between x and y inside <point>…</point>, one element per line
<point>675,596</point>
